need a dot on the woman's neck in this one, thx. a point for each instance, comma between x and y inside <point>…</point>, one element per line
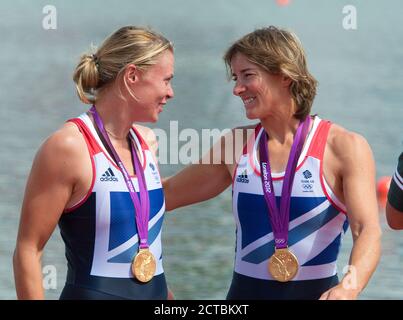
<point>115,117</point>
<point>281,126</point>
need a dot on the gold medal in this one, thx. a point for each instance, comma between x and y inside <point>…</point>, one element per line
<point>283,265</point>
<point>143,265</point>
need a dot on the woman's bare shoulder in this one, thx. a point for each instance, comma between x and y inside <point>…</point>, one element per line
<point>64,146</point>
<point>347,145</point>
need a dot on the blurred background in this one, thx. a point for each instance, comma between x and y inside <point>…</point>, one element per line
<point>360,74</point>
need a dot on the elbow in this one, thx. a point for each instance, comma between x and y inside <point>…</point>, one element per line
<point>373,232</point>
<point>394,217</point>
<point>168,204</point>
<point>165,188</point>
<point>376,232</point>
<point>169,197</point>
<point>167,207</point>
<point>395,225</point>
<point>16,264</point>
<point>24,254</point>
<point>16,258</point>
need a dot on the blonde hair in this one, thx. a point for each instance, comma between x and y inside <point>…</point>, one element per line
<point>128,45</point>
<point>279,52</point>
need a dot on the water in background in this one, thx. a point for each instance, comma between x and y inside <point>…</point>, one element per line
<point>360,74</point>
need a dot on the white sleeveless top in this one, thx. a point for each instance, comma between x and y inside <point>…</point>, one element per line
<point>317,217</point>
<point>115,241</point>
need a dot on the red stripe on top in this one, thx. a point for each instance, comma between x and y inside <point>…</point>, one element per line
<point>318,143</point>
<point>251,141</point>
<point>317,150</point>
<point>93,149</point>
<point>328,196</point>
<point>92,144</point>
<point>96,148</point>
<point>251,145</point>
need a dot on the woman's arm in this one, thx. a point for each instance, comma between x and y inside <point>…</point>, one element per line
<point>394,217</point>
<point>195,183</point>
<point>211,176</point>
<point>198,182</point>
<point>49,188</point>
<point>394,205</point>
<point>358,183</point>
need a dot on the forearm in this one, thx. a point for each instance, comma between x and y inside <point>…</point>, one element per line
<point>364,258</point>
<point>354,169</point>
<point>195,183</point>
<point>28,274</point>
<point>177,191</point>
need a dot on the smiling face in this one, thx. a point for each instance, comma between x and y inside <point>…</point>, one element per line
<point>152,87</point>
<point>261,92</point>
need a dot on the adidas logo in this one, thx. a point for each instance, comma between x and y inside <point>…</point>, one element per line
<point>243,177</point>
<point>307,174</point>
<point>109,176</point>
<point>152,166</point>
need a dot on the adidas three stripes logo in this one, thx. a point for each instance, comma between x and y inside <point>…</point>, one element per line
<point>243,177</point>
<point>109,176</point>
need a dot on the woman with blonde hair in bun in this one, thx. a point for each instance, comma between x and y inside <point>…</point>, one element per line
<point>97,178</point>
